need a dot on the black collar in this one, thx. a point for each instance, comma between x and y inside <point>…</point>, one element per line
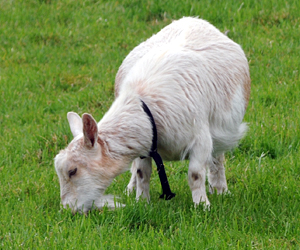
<point>154,130</point>
<point>167,193</point>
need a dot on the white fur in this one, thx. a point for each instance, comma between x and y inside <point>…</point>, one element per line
<point>196,82</point>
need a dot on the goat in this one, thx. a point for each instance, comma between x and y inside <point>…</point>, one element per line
<point>196,82</point>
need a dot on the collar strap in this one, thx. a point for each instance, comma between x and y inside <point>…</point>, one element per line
<point>167,193</point>
<point>154,130</point>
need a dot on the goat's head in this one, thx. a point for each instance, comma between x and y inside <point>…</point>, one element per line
<point>84,168</point>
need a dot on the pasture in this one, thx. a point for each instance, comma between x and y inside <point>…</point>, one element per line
<point>60,56</point>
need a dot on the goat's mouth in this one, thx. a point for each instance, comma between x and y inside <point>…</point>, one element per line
<point>108,201</point>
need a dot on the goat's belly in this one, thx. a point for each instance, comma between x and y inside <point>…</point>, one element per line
<point>176,144</point>
<point>172,154</point>
<point>169,156</point>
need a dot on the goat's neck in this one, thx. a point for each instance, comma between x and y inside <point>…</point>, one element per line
<point>126,129</point>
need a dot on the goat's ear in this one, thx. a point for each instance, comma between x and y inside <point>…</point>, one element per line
<point>90,130</point>
<point>75,123</point>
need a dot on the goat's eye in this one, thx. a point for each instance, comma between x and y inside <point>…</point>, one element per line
<point>72,172</point>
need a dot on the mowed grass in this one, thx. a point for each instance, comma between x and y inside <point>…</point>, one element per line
<point>60,56</point>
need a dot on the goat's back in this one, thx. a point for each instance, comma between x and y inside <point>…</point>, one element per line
<point>192,76</point>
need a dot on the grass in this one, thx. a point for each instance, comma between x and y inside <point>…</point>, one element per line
<point>58,56</point>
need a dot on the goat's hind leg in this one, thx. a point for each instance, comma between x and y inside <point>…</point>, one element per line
<point>200,157</point>
<point>216,177</point>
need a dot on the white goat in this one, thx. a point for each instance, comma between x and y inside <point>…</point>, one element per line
<point>196,83</point>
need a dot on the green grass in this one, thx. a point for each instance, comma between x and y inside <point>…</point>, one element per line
<point>62,55</point>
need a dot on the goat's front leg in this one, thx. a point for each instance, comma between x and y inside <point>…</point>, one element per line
<point>132,183</point>
<point>141,172</point>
